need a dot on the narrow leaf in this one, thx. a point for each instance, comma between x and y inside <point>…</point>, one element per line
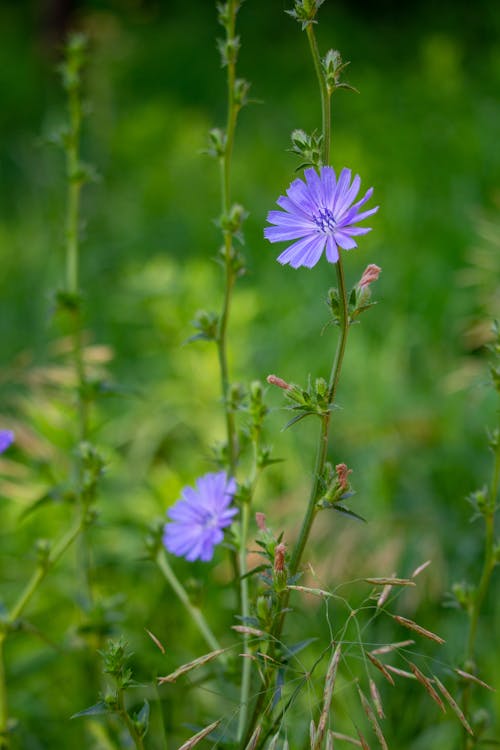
<point>96,710</point>
<point>347,512</point>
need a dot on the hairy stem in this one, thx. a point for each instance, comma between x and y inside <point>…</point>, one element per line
<point>225,165</point>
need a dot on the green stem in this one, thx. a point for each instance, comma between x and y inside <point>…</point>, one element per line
<point>245,614</point>
<point>226,162</point>
<point>132,729</point>
<point>322,449</point>
<point>325,96</point>
<point>4,708</point>
<point>195,613</point>
<point>74,181</point>
<point>482,589</point>
<point>42,570</point>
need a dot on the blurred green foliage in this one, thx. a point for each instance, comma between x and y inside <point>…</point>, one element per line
<point>414,397</point>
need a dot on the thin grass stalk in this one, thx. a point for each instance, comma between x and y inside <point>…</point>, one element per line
<point>195,613</point>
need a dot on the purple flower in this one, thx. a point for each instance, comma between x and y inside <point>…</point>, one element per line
<point>318,212</point>
<point>197,519</point>
<point>6,439</point>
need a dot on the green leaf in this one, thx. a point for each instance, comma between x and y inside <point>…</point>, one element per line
<point>96,710</point>
<point>141,720</point>
<point>346,512</point>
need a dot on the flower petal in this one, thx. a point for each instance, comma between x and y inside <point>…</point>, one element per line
<point>305,252</point>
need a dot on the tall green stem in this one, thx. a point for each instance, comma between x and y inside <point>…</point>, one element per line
<point>225,165</point>
<point>482,589</point>
<point>4,708</point>
<point>239,562</point>
<point>322,448</point>
<point>326,115</point>
<point>124,715</point>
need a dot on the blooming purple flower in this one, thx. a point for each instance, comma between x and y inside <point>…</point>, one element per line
<point>197,519</point>
<point>6,439</point>
<point>318,212</point>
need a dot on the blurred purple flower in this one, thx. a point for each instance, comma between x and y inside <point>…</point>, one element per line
<point>318,212</point>
<point>197,519</point>
<point>6,439</point>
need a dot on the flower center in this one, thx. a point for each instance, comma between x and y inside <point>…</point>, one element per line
<point>324,220</point>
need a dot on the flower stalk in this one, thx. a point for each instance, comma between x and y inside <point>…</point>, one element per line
<point>479,595</point>
<point>323,438</point>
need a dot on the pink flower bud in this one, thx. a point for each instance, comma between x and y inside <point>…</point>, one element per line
<point>261,521</point>
<point>342,476</point>
<point>370,274</point>
<point>274,380</point>
<point>279,557</point>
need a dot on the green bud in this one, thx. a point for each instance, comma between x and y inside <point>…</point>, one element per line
<point>240,93</point>
<point>263,608</point>
<point>236,396</point>
<point>229,49</point>
<point>43,547</point>
<point>464,594</point>
<point>217,140</point>
<point>333,67</point>
<point>207,323</point>
<point>308,147</point>
<point>304,11</point>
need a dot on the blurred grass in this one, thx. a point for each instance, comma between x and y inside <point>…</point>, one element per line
<point>424,132</point>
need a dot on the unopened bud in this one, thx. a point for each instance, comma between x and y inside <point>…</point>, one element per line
<point>342,476</point>
<point>260,519</point>
<point>279,557</point>
<point>370,274</point>
<point>275,380</point>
